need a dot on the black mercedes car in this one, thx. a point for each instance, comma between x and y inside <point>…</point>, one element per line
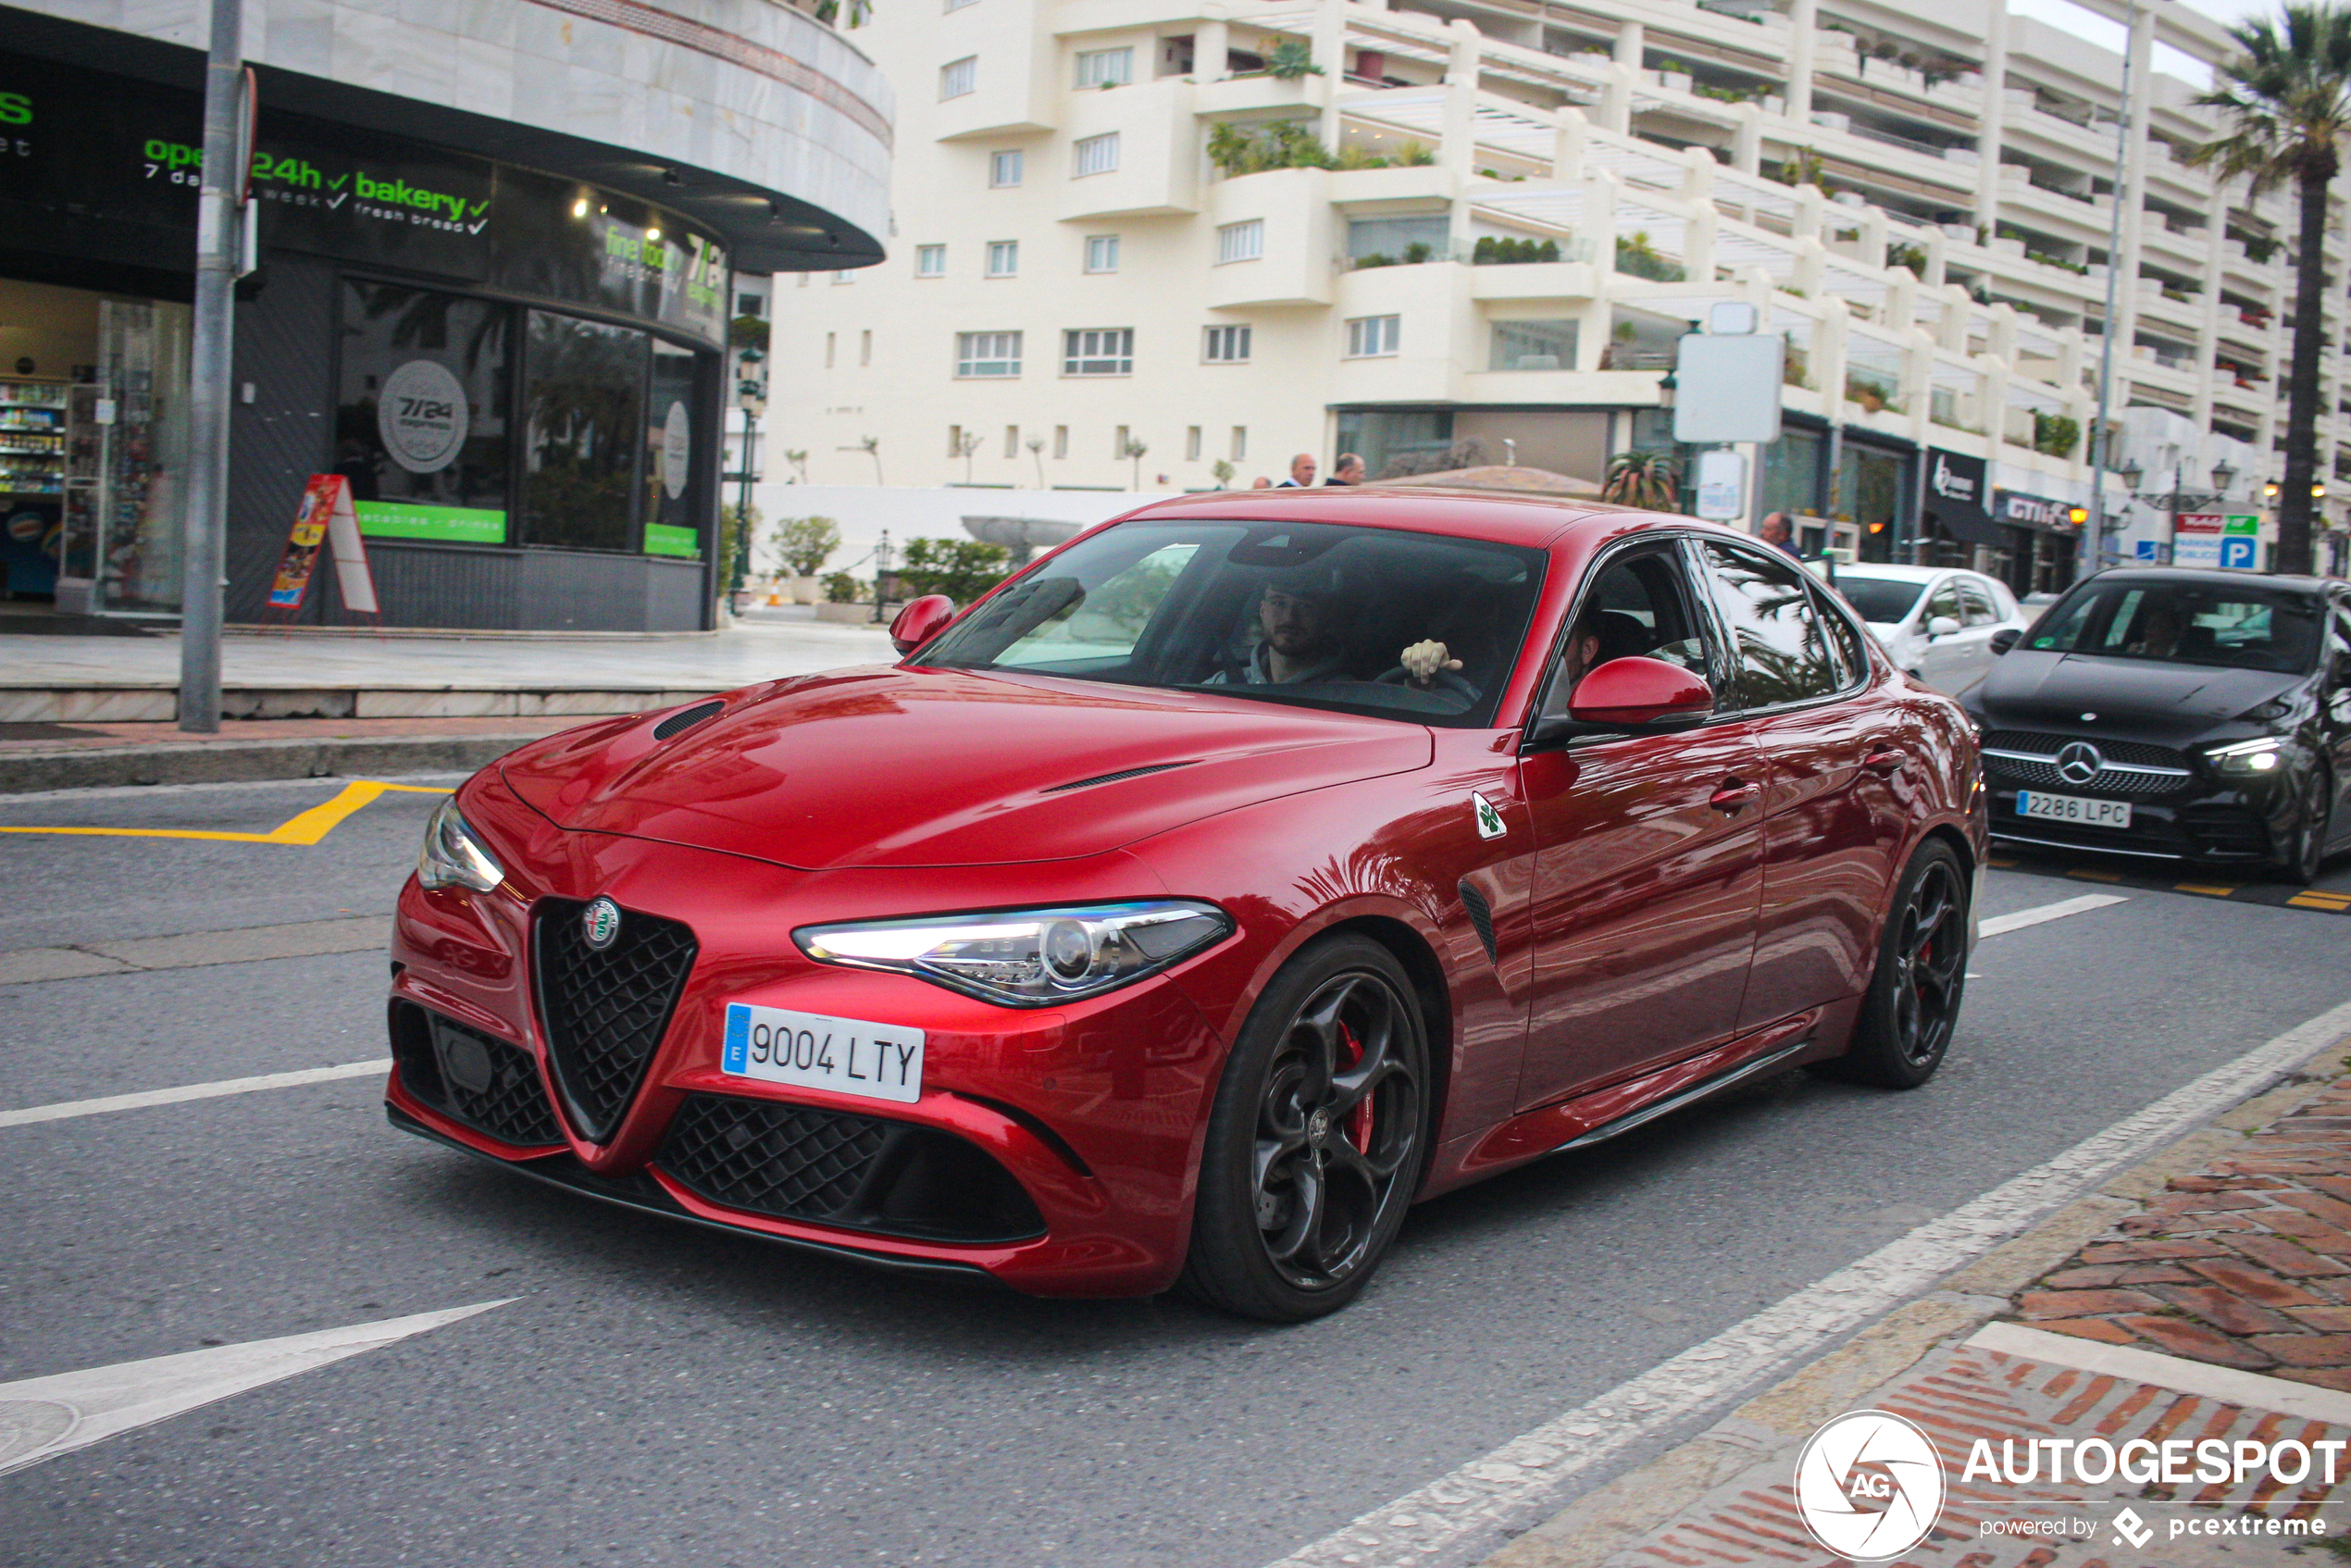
<point>2189,715</point>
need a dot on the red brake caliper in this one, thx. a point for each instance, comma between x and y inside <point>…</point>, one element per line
<point>1358,1121</point>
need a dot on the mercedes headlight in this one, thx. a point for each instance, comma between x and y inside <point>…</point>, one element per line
<point>1027,957</point>
<point>453,857</point>
<point>2250,757</point>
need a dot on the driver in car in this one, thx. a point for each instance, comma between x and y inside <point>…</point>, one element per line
<point>1294,641</point>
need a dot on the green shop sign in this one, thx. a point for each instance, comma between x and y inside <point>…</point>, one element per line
<point>452,525</point>
<point>668,538</point>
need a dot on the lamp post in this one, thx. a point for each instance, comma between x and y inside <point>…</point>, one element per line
<point>750,392</point>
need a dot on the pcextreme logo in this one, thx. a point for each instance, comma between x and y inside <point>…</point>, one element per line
<point>1869,1486</point>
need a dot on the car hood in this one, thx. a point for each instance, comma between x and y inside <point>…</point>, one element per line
<point>895,767</point>
<point>2173,703</point>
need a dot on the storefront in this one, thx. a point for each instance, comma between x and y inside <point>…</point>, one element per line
<point>1873,493</point>
<point>518,369</point>
<point>2041,541</point>
<point>1956,527</point>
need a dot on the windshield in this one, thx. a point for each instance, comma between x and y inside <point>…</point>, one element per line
<point>1881,599</point>
<point>1365,620</point>
<point>2185,624</point>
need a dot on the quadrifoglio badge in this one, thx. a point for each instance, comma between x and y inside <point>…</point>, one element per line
<point>1869,1486</point>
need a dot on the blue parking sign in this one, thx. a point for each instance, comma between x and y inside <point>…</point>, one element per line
<point>2239,553</point>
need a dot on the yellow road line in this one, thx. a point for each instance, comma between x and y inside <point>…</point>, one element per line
<point>2096,876</point>
<point>2335,901</point>
<point>2206,890</point>
<point>304,828</point>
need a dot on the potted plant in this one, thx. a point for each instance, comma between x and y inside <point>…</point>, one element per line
<point>803,544</point>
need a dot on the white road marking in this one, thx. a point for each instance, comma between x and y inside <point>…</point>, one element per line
<point>1998,924</point>
<point>41,1417</point>
<point>1523,1479</point>
<point>65,1110</point>
<point>2223,1383</point>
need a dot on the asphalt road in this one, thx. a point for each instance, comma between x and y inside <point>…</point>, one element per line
<point>657,1394</point>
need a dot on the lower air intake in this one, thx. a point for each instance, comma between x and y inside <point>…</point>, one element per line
<point>487,1083</point>
<point>836,1168</point>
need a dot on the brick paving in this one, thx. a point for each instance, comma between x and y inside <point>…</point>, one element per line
<point>2246,1263</point>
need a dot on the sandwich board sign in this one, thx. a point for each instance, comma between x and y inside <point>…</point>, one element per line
<point>326,518</point>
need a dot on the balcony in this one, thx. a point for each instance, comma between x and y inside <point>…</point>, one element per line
<point>1534,281</point>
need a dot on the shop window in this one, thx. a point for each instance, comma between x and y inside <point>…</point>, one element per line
<point>672,478</point>
<point>583,411</point>
<point>420,417</point>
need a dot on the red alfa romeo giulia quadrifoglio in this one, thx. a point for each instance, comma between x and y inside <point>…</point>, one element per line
<point>1185,909</point>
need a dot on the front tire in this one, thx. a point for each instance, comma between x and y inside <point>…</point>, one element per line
<point>1913,1001</point>
<point>2314,825</point>
<point>1317,1139</point>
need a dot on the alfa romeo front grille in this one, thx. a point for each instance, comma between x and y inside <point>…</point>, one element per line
<point>490,1083</point>
<point>838,1168</point>
<point>604,1012</point>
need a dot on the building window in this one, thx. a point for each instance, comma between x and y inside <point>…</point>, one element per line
<point>1003,257</point>
<point>1241,442</point>
<point>750,304</point>
<point>1398,239</point>
<point>1240,242</point>
<point>1012,440</point>
<point>1101,252</point>
<point>1060,441</point>
<point>987,354</point>
<point>1095,155</point>
<point>1534,346</point>
<point>1118,442</point>
<point>1105,67</point>
<point>1003,169</point>
<point>866,347</point>
<point>930,261</point>
<point>583,401</point>
<point>955,441</point>
<point>959,4</point>
<point>462,496</point>
<point>846,275</point>
<point>829,350</point>
<point>1369,337</point>
<point>1098,351</point>
<point>959,77</point>
<point>1225,345</point>
<point>1191,444</point>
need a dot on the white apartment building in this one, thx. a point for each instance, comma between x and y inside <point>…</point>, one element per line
<point>1533,199</point>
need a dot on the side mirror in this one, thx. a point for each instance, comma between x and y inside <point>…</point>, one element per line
<point>1631,694</point>
<point>1941,626</point>
<point>2005,639</point>
<point>920,621</point>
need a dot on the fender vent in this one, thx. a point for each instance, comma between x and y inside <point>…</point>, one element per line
<point>687,719</point>
<point>1481,916</point>
<point>1115,777</point>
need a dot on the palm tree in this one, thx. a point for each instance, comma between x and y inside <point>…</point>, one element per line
<point>1651,480</point>
<point>2286,104</point>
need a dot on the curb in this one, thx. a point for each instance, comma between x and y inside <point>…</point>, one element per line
<point>1639,1503</point>
<point>241,762</point>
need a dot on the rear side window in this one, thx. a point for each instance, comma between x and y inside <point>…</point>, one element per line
<point>1780,647</point>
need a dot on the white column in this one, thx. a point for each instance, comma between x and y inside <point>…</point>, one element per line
<point>1746,140</point>
<point>1567,145</point>
<point>1803,41</point>
<point>1329,43</point>
<point>1992,123</point>
<point>1211,43</point>
<point>1460,153</point>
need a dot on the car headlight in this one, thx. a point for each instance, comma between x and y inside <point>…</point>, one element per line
<point>2263,755</point>
<point>1027,957</point>
<point>453,857</point>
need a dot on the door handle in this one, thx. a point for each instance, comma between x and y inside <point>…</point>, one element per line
<point>1734,794</point>
<point>1886,760</point>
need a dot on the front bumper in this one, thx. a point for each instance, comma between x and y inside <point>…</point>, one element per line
<point>1049,1151</point>
<point>2199,819</point>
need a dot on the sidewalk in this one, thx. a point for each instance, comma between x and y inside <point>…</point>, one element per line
<point>79,712</point>
<point>2203,1297</point>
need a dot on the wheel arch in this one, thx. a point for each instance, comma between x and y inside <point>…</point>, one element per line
<point>1430,994</point>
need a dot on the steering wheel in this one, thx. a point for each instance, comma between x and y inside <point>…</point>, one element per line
<point>1451,679</point>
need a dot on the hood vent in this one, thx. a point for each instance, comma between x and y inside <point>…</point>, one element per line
<point>1115,777</point>
<point>687,718</point>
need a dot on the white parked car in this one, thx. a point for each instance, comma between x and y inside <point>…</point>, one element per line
<point>1937,622</point>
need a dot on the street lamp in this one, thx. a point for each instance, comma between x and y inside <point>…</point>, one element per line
<point>2223,475</point>
<point>750,392</point>
<point>2130,474</point>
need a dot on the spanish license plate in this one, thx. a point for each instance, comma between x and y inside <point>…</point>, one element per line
<point>2072,808</point>
<point>846,1056</point>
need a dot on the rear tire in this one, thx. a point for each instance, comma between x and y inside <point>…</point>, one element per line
<point>1913,1001</point>
<point>1317,1139</point>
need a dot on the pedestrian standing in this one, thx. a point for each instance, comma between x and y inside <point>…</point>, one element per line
<point>1780,533</point>
<point>1301,472</point>
<point>1348,469</point>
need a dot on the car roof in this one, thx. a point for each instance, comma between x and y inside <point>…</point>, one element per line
<point>1538,521</point>
<point>1889,572</point>
<point>2213,577</point>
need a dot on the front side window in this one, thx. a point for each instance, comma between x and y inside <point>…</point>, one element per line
<point>1312,615</point>
<point>1005,167</point>
<point>1225,345</point>
<point>1944,603</point>
<point>1780,649</point>
<point>1639,606</point>
<point>1977,601</point>
<point>1105,67</point>
<point>1101,252</point>
<point>986,355</point>
<point>2188,624</point>
<point>930,261</point>
<point>1371,336</point>
<point>1095,155</point>
<point>1098,351</point>
<point>1240,242</point>
<point>1003,257</point>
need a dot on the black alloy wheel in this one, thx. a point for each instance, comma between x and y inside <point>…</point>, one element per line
<point>1315,1145</point>
<point>1913,1001</point>
<point>2313,826</point>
